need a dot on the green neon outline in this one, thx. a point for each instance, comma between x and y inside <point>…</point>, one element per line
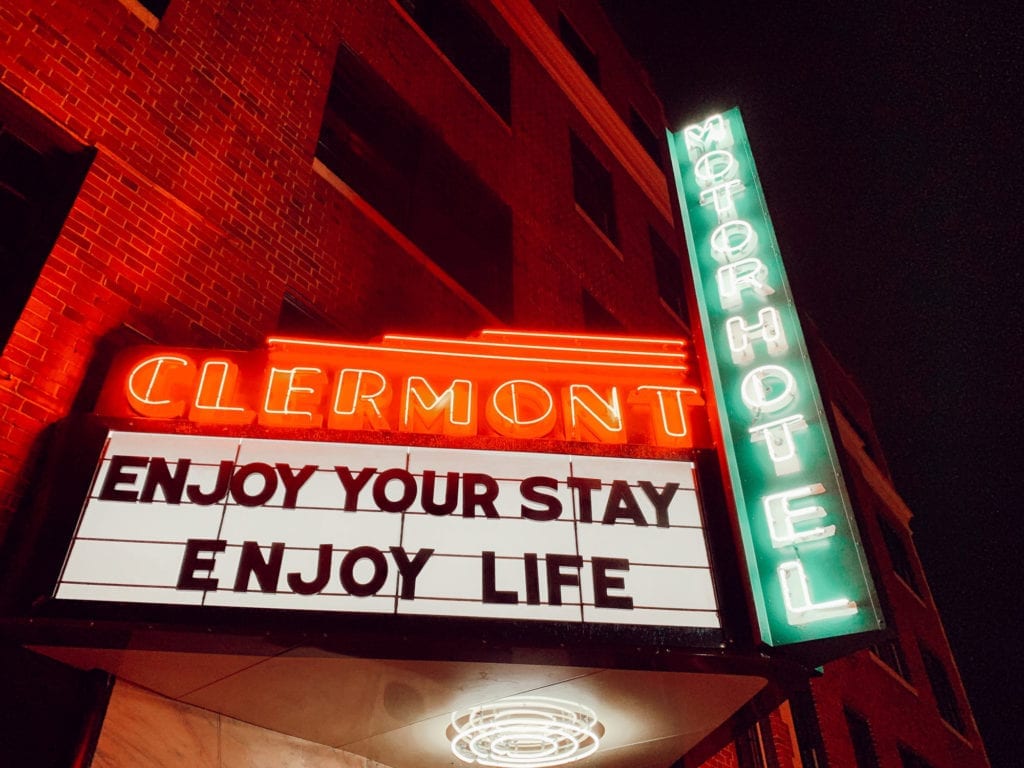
<point>846,570</point>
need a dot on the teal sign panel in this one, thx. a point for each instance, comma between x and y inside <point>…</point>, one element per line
<point>808,573</point>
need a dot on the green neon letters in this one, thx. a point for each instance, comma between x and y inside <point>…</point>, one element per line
<point>807,569</point>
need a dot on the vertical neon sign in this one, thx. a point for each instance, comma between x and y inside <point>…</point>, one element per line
<point>807,569</point>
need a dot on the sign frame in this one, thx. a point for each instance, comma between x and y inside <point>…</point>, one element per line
<point>809,575</point>
<point>50,523</point>
<point>391,528</point>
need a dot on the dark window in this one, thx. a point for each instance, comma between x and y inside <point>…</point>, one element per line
<point>754,747</point>
<point>860,735</point>
<point>898,554</point>
<point>645,136</point>
<point>942,689</point>
<point>890,652</point>
<point>470,45</point>
<point>41,170</point>
<point>374,143</point>
<point>592,188</point>
<point>596,317</point>
<point>868,444</point>
<point>669,274</point>
<point>156,7</point>
<point>910,759</point>
<point>580,51</point>
<point>808,730</point>
<point>298,318</point>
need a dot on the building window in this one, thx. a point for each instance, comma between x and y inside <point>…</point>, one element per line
<point>41,171</point>
<point>156,7</point>
<point>150,11</point>
<point>592,188</point>
<point>891,654</point>
<point>860,735</point>
<point>374,143</point>
<point>942,689</point>
<point>808,730</point>
<point>866,443</point>
<point>645,136</point>
<point>467,41</point>
<point>898,554</point>
<point>755,747</point>
<point>910,759</point>
<point>579,50</point>
<point>596,317</point>
<point>669,274</point>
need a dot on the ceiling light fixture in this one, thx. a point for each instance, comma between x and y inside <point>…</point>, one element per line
<point>525,732</point>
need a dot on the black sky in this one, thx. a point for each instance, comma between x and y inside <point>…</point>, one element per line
<point>884,138</point>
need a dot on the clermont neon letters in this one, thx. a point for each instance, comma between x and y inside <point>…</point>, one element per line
<point>523,386</point>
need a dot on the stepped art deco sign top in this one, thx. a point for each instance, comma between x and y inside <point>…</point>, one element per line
<point>807,568</point>
<point>513,475</point>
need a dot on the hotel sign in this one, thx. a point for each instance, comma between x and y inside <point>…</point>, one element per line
<point>808,572</point>
<point>548,479</point>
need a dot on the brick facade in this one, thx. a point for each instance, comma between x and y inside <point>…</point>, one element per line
<point>205,205</point>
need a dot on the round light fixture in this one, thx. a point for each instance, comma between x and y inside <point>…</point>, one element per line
<point>525,732</point>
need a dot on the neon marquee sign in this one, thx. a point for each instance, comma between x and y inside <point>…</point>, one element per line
<point>501,384</point>
<point>514,475</point>
<point>808,572</point>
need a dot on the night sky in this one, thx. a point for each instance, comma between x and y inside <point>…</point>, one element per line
<point>884,141</point>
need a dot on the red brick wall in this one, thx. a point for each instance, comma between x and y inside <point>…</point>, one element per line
<point>898,711</point>
<point>725,758</point>
<point>202,207</point>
